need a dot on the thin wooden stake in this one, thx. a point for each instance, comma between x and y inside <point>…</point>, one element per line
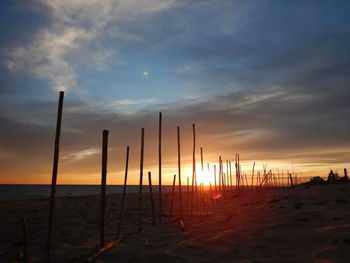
<point>291,180</point>
<point>141,177</point>
<point>179,169</point>
<point>160,166</point>
<point>220,180</point>
<point>210,192</point>
<point>54,175</point>
<point>345,174</point>
<point>103,186</point>
<point>172,196</point>
<point>216,190</point>
<point>103,249</point>
<point>124,191</point>
<point>231,178</point>
<point>194,177</point>
<point>151,198</point>
<point>253,174</point>
<point>202,166</point>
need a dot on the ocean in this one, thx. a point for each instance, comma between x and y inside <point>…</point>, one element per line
<point>29,191</point>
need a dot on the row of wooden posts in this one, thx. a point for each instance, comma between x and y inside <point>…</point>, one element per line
<point>222,187</point>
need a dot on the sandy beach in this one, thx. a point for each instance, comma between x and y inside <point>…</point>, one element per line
<point>304,224</point>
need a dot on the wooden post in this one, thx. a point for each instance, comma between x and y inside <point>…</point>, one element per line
<point>291,180</point>
<point>210,192</point>
<point>203,197</point>
<point>227,178</point>
<point>202,163</point>
<point>220,174</point>
<point>202,166</point>
<point>216,190</point>
<point>172,196</point>
<point>54,174</point>
<point>124,191</point>
<point>345,174</point>
<point>253,174</point>
<point>24,239</point>
<point>231,177</point>
<point>179,169</point>
<point>237,175</point>
<point>141,177</point>
<point>239,170</point>
<point>160,166</point>
<point>194,177</point>
<point>103,186</point>
<point>151,198</point>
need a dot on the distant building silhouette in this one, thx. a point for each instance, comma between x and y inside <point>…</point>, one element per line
<point>331,177</point>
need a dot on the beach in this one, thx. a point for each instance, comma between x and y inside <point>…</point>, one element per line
<point>310,223</point>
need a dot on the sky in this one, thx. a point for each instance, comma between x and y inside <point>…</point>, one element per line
<point>267,79</point>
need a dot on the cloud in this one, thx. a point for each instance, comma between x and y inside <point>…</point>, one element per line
<point>76,37</point>
<point>127,102</point>
<point>80,155</point>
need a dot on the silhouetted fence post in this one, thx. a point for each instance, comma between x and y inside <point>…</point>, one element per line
<point>124,191</point>
<point>210,192</point>
<point>345,175</point>
<point>202,166</point>
<point>179,169</point>
<point>231,177</point>
<point>54,175</point>
<point>215,186</point>
<point>291,181</point>
<point>194,177</point>
<point>103,186</point>
<point>160,166</point>
<point>141,177</point>
<point>253,174</point>
<point>220,180</point>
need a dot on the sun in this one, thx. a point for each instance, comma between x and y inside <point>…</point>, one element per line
<point>145,73</point>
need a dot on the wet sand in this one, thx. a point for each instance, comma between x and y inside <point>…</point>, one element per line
<point>305,224</point>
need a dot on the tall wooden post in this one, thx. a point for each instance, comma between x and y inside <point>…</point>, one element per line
<point>124,192</point>
<point>179,169</point>
<point>236,167</point>
<point>160,166</point>
<point>54,174</point>
<point>103,186</point>
<point>141,177</point>
<point>202,166</point>
<point>194,177</point>
<point>228,176</point>
<point>231,180</point>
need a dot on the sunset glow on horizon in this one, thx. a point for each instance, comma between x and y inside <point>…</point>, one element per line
<point>265,79</point>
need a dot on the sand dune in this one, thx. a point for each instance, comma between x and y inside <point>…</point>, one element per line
<point>305,224</point>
